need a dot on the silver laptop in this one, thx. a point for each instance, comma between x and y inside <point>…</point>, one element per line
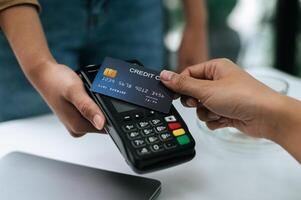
<point>28,177</point>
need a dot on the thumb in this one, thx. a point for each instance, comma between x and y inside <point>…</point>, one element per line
<point>87,107</point>
<point>184,85</point>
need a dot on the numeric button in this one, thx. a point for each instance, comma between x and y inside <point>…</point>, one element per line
<point>157,147</point>
<point>129,127</point>
<point>143,124</point>
<point>147,131</point>
<point>156,122</point>
<point>165,136</point>
<point>133,135</point>
<point>138,143</point>
<point>160,129</point>
<point>152,139</point>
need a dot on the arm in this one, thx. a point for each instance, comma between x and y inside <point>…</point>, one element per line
<point>287,125</point>
<point>193,48</point>
<point>61,88</point>
<point>30,47</point>
<point>227,96</point>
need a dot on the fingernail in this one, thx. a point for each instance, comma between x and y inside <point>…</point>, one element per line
<point>166,75</point>
<point>213,116</point>
<point>98,121</point>
<point>191,103</point>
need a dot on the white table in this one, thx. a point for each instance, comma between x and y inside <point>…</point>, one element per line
<point>212,174</point>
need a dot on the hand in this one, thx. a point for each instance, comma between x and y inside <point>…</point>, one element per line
<point>226,96</point>
<point>60,86</point>
<point>64,92</point>
<point>193,47</point>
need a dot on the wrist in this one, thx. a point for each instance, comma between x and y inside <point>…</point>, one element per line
<point>35,69</point>
<point>272,112</point>
<point>282,119</point>
<point>287,132</point>
<point>289,121</point>
<point>38,72</point>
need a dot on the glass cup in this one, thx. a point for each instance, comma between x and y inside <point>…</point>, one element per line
<point>234,140</point>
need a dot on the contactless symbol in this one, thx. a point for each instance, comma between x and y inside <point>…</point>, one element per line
<point>112,73</point>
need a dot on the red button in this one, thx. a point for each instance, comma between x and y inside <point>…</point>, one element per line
<point>175,125</point>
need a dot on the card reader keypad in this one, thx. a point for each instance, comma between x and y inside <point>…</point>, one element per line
<point>152,134</point>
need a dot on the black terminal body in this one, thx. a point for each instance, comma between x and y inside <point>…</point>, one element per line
<point>148,140</point>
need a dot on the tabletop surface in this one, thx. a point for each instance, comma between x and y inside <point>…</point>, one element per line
<point>215,172</point>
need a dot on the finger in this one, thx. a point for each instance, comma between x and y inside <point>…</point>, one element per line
<point>221,123</point>
<point>199,71</point>
<point>75,123</point>
<point>207,70</point>
<point>86,106</point>
<point>206,115</point>
<point>185,85</point>
<point>82,129</point>
<point>186,72</point>
<point>189,101</point>
<point>75,134</point>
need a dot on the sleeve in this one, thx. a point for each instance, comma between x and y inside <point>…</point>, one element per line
<point>9,3</point>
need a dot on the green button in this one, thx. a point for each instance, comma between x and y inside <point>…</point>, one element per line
<point>183,139</point>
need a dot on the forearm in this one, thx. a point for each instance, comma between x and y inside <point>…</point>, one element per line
<point>22,27</point>
<point>287,125</point>
<point>196,24</point>
<point>195,13</point>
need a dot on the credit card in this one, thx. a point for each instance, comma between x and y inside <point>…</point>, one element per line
<point>132,83</point>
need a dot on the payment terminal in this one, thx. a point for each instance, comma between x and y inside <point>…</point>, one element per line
<point>148,140</point>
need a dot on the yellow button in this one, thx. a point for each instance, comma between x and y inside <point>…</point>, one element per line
<point>178,132</point>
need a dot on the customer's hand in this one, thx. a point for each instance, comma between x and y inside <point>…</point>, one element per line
<point>64,92</point>
<point>225,96</point>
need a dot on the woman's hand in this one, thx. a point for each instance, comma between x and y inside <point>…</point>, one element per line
<point>59,85</point>
<point>226,96</point>
<point>64,92</point>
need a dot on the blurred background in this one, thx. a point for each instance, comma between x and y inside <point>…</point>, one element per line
<point>253,33</point>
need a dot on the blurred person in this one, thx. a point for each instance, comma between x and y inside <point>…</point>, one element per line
<point>80,32</point>
<point>226,96</point>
